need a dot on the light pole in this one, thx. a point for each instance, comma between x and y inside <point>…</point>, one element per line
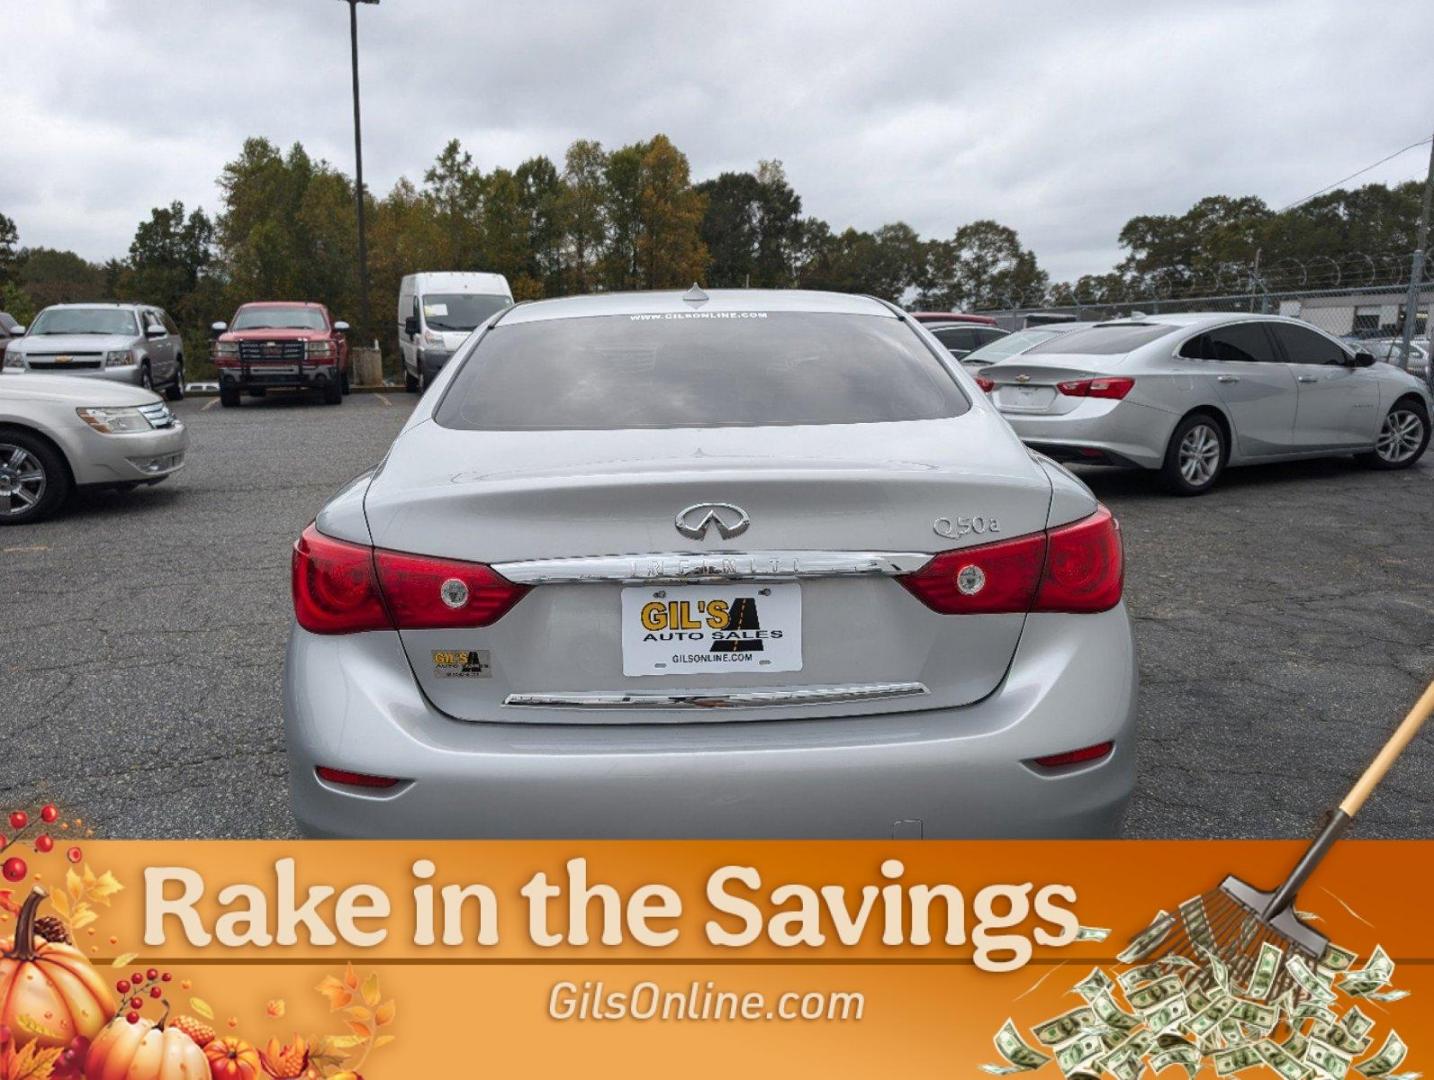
<point>358,167</point>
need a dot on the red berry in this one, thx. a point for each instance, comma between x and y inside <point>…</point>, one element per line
<point>166,977</point>
<point>49,814</point>
<point>155,991</point>
<point>122,986</point>
<point>132,1017</point>
<point>4,841</point>
<point>14,869</point>
<point>136,1003</point>
<point>152,974</point>
<point>43,844</point>
<point>137,978</point>
<point>74,854</point>
<point>19,819</point>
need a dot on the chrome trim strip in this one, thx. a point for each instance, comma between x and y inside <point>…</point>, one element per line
<point>742,699</point>
<point>696,567</point>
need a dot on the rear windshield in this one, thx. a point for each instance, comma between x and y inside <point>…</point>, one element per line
<point>279,318</point>
<point>460,311</point>
<point>1108,340</point>
<point>698,369</point>
<point>1009,345</point>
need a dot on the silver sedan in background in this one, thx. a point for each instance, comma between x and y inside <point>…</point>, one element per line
<point>59,432</point>
<point>744,563</point>
<point>1192,394</point>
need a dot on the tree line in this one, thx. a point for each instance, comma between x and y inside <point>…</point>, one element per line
<point>633,218</point>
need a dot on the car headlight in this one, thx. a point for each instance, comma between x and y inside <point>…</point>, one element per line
<point>14,359</point>
<point>319,348</point>
<point>226,348</point>
<point>115,421</point>
<point>119,358</point>
<point>432,338</point>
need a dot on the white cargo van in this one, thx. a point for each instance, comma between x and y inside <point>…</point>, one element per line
<point>437,311</point>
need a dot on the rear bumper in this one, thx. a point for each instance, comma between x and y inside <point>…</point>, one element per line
<point>1099,432</point>
<point>352,703</point>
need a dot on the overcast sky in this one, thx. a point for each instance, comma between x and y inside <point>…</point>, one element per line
<point>1061,120</point>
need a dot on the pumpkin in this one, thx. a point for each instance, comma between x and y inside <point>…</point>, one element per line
<point>231,1058</point>
<point>144,1050</point>
<point>49,994</point>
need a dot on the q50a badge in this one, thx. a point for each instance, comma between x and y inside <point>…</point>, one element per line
<point>957,527</point>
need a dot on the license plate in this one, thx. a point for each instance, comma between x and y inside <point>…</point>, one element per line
<point>707,629</point>
<point>1025,398</point>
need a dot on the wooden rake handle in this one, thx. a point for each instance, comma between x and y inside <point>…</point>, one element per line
<point>1401,738</point>
<point>1284,896</point>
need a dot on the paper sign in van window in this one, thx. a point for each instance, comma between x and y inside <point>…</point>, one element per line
<point>435,311</point>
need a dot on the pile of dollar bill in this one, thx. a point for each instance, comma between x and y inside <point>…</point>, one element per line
<point>1192,1012</point>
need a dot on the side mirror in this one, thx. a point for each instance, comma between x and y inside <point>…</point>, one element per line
<point>341,327</point>
<point>410,326</point>
<point>155,331</point>
<point>217,328</point>
<point>1363,359</point>
<point>19,331</point>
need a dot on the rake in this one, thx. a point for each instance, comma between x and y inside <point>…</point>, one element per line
<point>1233,921</point>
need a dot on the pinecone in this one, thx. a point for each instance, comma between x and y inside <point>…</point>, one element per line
<point>52,929</point>
<point>197,1030</point>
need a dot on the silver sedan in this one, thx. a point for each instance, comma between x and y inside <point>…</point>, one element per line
<point>744,563</point>
<point>59,432</point>
<point>1190,395</point>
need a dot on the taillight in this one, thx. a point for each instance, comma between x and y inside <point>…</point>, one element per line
<point>1113,387</point>
<point>335,587</point>
<point>985,384</point>
<point>435,594</point>
<point>1074,568</point>
<point>343,588</point>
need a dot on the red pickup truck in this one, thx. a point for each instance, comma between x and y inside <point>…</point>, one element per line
<point>281,344</point>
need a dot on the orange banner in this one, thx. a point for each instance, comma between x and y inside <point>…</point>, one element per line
<point>839,959</point>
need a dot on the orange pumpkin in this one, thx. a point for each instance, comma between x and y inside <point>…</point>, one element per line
<point>231,1058</point>
<point>49,994</point>
<point>144,1051</point>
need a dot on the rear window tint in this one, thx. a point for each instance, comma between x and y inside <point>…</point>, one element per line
<point>698,369</point>
<point>1105,340</point>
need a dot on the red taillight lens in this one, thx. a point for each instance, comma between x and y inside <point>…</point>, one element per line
<point>1076,757</point>
<point>1113,387</point>
<point>1075,568</point>
<point>354,779</point>
<point>983,580</point>
<point>433,594</point>
<point>343,588</point>
<point>1085,566</point>
<point>985,384</point>
<point>335,588</point>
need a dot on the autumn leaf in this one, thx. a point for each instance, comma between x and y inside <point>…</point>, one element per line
<point>61,903</point>
<point>33,1063</point>
<point>7,902</point>
<point>335,1043</point>
<point>276,1008</point>
<point>371,993</point>
<point>74,885</point>
<point>359,1013</point>
<point>351,979</point>
<point>123,960</point>
<point>84,915</point>
<point>384,1014</point>
<point>338,994</point>
<point>102,888</point>
<point>383,1040</point>
<point>202,1007</point>
<point>363,1031</point>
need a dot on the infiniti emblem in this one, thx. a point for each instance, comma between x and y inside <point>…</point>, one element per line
<point>695,520</point>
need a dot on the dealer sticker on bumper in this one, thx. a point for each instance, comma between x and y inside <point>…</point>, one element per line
<point>702,629</point>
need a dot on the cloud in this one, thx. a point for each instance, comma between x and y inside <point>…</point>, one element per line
<point>1061,121</point>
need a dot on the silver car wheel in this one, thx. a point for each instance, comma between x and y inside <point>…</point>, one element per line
<point>1199,455</point>
<point>22,479</point>
<point>1400,437</point>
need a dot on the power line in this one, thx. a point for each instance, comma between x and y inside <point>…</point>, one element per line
<point>1351,176</point>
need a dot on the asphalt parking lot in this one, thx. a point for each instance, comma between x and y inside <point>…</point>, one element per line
<point>1285,623</point>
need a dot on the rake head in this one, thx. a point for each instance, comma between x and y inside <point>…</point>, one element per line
<point>1231,924</point>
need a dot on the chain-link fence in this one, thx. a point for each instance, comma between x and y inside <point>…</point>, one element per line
<point>1343,299</point>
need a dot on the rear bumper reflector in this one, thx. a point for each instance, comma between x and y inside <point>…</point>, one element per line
<point>1076,757</point>
<point>745,699</point>
<point>354,779</point>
